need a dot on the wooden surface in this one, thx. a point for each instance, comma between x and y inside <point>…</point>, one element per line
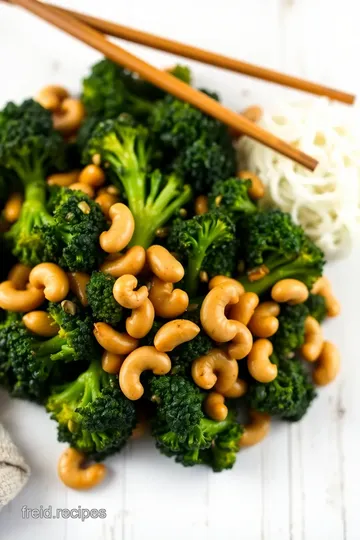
<point>303,482</point>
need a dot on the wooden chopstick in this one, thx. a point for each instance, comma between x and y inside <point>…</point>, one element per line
<point>164,80</point>
<point>208,57</point>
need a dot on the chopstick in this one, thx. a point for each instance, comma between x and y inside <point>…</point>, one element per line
<point>164,80</point>
<point>208,57</point>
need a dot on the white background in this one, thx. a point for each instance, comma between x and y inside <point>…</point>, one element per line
<point>303,482</point>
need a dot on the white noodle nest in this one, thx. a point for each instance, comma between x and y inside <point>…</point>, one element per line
<point>325,203</point>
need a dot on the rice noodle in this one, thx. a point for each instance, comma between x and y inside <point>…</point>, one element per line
<point>326,202</point>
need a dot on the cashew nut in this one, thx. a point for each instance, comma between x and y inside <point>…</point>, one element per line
<point>125,294</point>
<point>131,263</point>
<point>212,313</point>
<point>63,179</point>
<point>113,341</point>
<point>174,333</point>
<point>201,205</point>
<point>241,344</point>
<point>140,429</point>
<point>13,299</point>
<point>214,406</point>
<point>52,279</point>
<point>253,113</point>
<point>257,189</point>
<point>257,430</point>
<point>142,359</point>
<point>88,190</point>
<point>12,207</point>
<point>259,364</point>
<point>314,340</point>
<point>19,275</point>
<point>78,282</point>
<point>106,201</point>
<point>111,362</point>
<point>68,117</point>
<point>264,322</point>
<point>40,323</point>
<point>244,309</point>
<point>141,320</point>
<point>121,230</point>
<point>220,280</point>
<point>164,265</point>
<point>328,364</point>
<point>291,291</point>
<point>238,389</point>
<point>168,302</point>
<point>73,475</point>
<point>51,97</point>
<point>323,287</point>
<point>215,369</point>
<point>92,175</point>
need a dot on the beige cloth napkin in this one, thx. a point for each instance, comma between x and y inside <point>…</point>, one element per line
<point>14,472</point>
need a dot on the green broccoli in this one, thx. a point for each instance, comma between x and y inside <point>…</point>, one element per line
<point>291,333</point>
<point>231,197</point>
<point>204,243</point>
<point>288,396</point>
<point>317,307</point>
<point>99,292</point>
<point>92,413</point>
<point>152,199</point>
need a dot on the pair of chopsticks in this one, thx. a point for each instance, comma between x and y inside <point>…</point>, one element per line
<point>91,30</point>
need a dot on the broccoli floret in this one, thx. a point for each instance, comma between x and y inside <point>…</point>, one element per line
<point>206,242</point>
<point>317,307</point>
<point>99,292</point>
<point>291,333</point>
<point>152,199</point>
<point>92,413</point>
<point>288,396</point>
<point>231,197</point>
<point>272,241</point>
<point>181,429</point>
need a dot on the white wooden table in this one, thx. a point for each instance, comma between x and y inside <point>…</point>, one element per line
<point>303,482</point>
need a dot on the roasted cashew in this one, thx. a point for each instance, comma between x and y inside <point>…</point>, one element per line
<point>52,279</point>
<point>214,406</point>
<point>125,294</point>
<point>88,190</point>
<point>19,275</point>
<point>215,370</point>
<point>111,362</point>
<point>140,429</point>
<point>164,265</point>
<point>106,201</point>
<point>63,179</point>
<point>141,320</point>
<point>257,189</point>
<point>73,475</point>
<point>257,273</point>
<point>142,359</point>
<point>92,175</point>
<point>113,341</point>
<point>132,262</point>
<point>291,291</point>
<point>168,302</point>
<point>259,364</point>
<point>78,282</point>
<point>220,280</point>
<point>12,208</point>
<point>201,205</point>
<point>40,323</point>
<point>314,340</point>
<point>241,344</point>
<point>121,230</point>
<point>51,97</point>
<point>13,299</point>
<point>238,389</point>
<point>68,117</point>
<point>328,364</point>
<point>174,333</point>
<point>323,287</point>
<point>257,430</point>
<point>264,322</point>
<point>244,309</point>
<point>212,313</point>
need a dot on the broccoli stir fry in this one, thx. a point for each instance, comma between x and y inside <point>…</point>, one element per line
<point>142,284</point>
